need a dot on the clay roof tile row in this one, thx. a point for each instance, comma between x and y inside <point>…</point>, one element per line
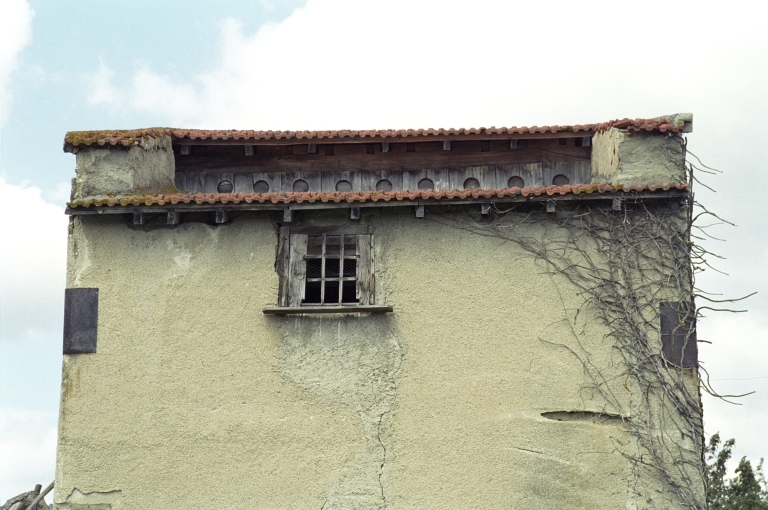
<point>135,136</point>
<point>363,196</point>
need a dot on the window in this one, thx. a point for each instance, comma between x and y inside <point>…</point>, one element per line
<point>326,269</point>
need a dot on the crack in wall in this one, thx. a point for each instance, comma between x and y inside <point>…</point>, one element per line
<point>354,361</point>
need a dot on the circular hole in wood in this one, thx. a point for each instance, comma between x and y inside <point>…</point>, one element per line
<point>300,186</point>
<point>560,180</point>
<point>225,187</point>
<point>516,182</point>
<point>426,184</point>
<point>471,183</point>
<point>261,186</point>
<point>384,185</point>
<point>343,186</point>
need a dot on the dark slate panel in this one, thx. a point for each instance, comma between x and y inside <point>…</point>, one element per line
<point>81,317</point>
<point>678,334</point>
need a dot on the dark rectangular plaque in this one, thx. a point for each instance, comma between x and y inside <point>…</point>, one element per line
<point>678,334</point>
<point>81,317</point>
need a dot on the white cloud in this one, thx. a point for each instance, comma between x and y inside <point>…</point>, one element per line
<point>101,89</point>
<point>27,450</point>
<point>15,35</point>
<point>348,64</point>
<point>32,264</point>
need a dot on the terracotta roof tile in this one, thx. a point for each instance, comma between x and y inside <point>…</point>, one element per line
<point>134,136</point>
<point>363,196</point>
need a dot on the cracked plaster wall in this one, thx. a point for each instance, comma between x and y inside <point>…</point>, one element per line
<point>145,168</point>
<point>195,399</point>
<point>631,157</point>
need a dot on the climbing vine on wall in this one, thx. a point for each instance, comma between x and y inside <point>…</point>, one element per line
<point>623,264</point>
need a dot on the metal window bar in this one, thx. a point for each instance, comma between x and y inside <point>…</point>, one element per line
<point>340,278</point>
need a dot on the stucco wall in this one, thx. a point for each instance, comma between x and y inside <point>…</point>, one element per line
<point>631,157</point>
<point>144,168</point>
<point>195,399</point>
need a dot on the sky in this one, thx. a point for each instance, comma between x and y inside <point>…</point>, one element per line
<point>328,64</point>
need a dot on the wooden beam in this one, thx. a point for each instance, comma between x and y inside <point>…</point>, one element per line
<point>354,213</point>
<point>616,205</point>
<point>550,206</point>
<point>311,148</point>
<point>513,144</point>
<point>287,215</point>
<point>138,218</point>
<point>446,145</point>
<point>485,208</point>
<point>173,218</point>
<point>327,309</point>
<point>385,146</point>
<point>420,211</point>
<point>248,150</point>
<point>221,216</point>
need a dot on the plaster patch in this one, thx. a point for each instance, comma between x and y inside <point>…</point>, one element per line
<point>78,500</point>
<point>183,257</point>
<point>350,360</point>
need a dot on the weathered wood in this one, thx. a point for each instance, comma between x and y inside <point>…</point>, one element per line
<point>287,215</point>
<point>221,216</point>
<point>616,204</point>
<point>185,150</point>
<point>328,309</point>
<point>420,211</point>
<point>243,183</point>
<point>446,145</point>
<point>180,181</point>
<point>173,218</point>
<point>365,280</point>
<point>550,206</point>
<point>311,148</point>
<point>355,158</point>
<point>354,213</point>
<point>485,209</point>
<point>336,230</point>
<point>138,218</point>
<point>297,269</point>
<point>513,144</point>
<point>282,265</point>
<point>248,150</point>
<point>384,146</point>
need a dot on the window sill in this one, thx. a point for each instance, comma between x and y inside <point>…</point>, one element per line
<point>285,310</point>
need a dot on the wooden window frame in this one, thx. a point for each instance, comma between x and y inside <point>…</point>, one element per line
<point>291,267</point>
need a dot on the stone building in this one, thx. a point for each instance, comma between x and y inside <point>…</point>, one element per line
<point>443,318</point>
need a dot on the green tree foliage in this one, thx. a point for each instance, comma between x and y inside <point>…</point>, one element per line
<point>748,490</point>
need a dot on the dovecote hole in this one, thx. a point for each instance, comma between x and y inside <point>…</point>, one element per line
<point>261,186</point>
<point>426,184</point>
<point>225,187</point>
<point>343,186</point>
<point>300,186</point>
<point>516,182</point>
<point>384,185</point>
<point>560,180</point>
<point>471,183</point>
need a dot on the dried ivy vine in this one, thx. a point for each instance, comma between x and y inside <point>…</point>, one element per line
<point>622,264</point>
